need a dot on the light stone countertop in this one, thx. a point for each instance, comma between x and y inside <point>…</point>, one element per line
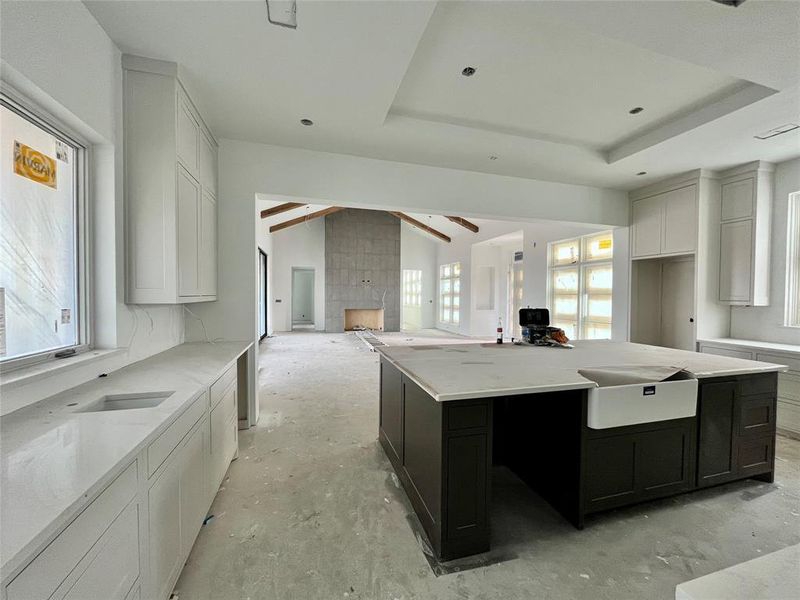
<point>465,371</point>
<point>54,458</point>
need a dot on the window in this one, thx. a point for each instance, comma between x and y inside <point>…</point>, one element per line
<point>42,304</point>
<point>449,293</point>
<point>580,284</point>
<point>412,287</point>
<point>793,262</point>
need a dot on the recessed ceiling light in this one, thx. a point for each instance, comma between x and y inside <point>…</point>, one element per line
<point>307,122</point>
<point>492,157</point>
<point>636,110</point>
<point>468,71</point>
<point>642,173</point>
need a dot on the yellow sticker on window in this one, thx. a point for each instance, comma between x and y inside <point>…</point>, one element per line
<point>34,165</point>
<point>604,244</point>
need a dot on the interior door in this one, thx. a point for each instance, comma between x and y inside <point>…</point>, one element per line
<point>677,304</point>
<point>302,296</point>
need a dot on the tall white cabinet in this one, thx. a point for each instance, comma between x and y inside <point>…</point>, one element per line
<point>170,189</point>
<point>745,222</point>
<point>675,262</point>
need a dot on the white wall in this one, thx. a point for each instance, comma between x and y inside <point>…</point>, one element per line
<point>766,323</point>
<point>418,251</point>
<point>57,55</point>
<point>299,246</point>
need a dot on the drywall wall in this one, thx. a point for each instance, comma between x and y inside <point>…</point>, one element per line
<point>45,59</point>
<point>418,252</point>
<point>357,182</point>
<point>766,323</point>
<point>301,246</point>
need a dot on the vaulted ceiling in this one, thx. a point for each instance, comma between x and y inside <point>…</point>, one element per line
<point>550,97</point>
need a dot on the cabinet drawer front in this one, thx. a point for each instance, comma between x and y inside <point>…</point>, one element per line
<point>115,565</point>
<point>221,385</point>
<point>746,354</point>
<point>756,455</point>
<point>759,384</point>
<point>52,566</point>
<point>738,199</point>
<point>780,359</point>
<point>757,417</point>
<point>158,451</point>
<point>467,417</point>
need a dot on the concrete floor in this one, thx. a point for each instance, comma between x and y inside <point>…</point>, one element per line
<point>310,511</point>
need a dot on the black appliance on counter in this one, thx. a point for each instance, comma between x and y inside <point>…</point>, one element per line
<point>536,322</point>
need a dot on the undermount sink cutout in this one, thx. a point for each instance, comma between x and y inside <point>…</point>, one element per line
<point>127,401</point>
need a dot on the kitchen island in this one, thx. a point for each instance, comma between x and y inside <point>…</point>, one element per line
<point>448,413</point>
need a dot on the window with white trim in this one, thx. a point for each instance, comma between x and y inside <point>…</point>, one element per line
<point>793,262</point>
<point>580,278</point>
<point>412,287</point>
<point>43,305</point>
<point>449,293</point>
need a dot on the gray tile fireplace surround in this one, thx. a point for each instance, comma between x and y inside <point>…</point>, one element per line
<point>362,261</point>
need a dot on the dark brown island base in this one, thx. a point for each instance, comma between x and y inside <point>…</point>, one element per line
<point>443,450</point>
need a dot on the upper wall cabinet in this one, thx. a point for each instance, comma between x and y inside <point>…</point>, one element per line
<point>665,223</point>
<point>745,221</point>
<point>170,189</point>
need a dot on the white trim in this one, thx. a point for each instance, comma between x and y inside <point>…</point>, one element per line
<point>792,304</point>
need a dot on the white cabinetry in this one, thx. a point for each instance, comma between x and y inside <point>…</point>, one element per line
<point>170,189</point>
<point>745,221</point>
<point>224,427</point>
<point>665,224</point>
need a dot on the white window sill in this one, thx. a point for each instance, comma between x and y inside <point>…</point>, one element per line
<point>25,375</point>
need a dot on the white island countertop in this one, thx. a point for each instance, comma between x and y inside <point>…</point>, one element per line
<point>465,371</point>
<point>54,458</point>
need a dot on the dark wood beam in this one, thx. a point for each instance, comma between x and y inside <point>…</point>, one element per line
<point>276,210</point>
<point>415,223</point>
<point>304,218</point>
<point>466,224</point>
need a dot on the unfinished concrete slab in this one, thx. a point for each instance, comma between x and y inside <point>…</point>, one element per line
<point>311,510</point>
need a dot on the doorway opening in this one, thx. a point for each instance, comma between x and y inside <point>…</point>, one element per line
<point>302,298</point>
<point>262,295</point>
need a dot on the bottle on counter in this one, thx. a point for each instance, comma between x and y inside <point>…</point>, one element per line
<point>500,330</point>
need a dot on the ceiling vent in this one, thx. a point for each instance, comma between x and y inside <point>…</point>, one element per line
<point>282,12</point>
<point>777,131</point>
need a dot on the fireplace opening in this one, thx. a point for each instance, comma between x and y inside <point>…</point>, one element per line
<point>363,319</point>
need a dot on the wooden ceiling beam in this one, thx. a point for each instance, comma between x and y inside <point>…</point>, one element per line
<point>419,225</point>
<point>304,218</point>
<point>281,208</point>
<point>464,223</point>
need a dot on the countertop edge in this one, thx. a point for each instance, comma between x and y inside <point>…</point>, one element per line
<point>13,565</point>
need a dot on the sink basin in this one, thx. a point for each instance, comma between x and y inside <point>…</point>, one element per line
<point>127,401</point>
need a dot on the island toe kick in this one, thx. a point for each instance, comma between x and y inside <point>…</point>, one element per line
<point>443,452</point>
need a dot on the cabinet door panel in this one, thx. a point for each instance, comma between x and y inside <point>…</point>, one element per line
<point>735,261</point>
<point>610,471</point>
<point>646,219</point>
<point>164,529</point>
<point>663,461</point>
<point>717,433</point>
<point>738,198</point>
<point>208,164</point>
<point>756,416</point>
<point>391,412</point>
<point>680,221</point>
<point>188,234</point>
<point>188,135</point>
<point>755,456</point>
<point>208,245</point>
<point>115,567</point>
<point>193,486</point>
<point>467,471</point>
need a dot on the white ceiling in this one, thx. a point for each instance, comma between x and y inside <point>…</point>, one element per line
<point>554,83</point>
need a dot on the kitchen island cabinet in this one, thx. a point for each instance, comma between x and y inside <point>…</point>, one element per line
<point>449,413</point>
